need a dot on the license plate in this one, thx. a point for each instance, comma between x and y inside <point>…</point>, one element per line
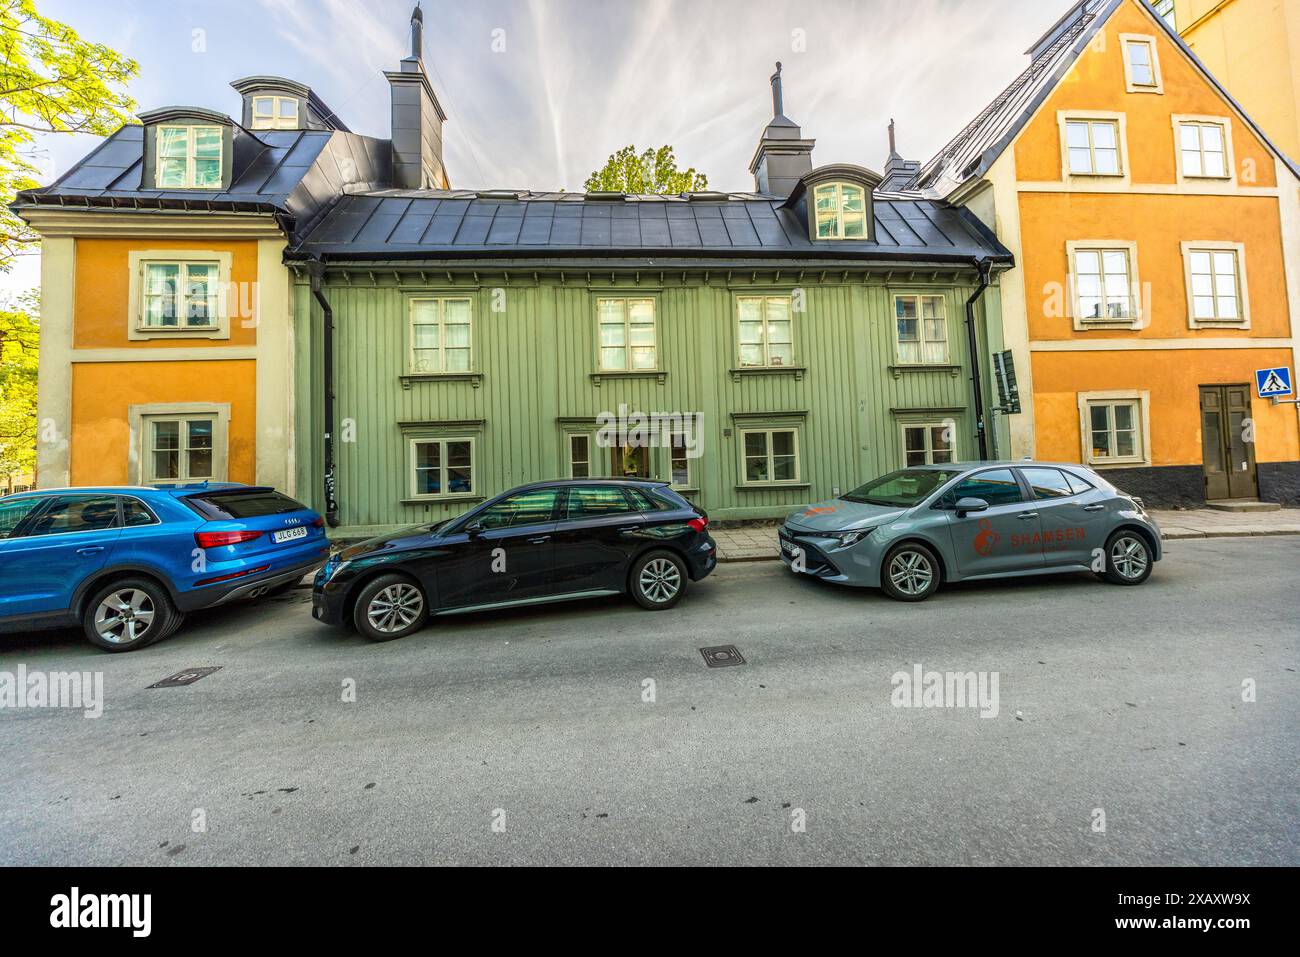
<point>288,535</point>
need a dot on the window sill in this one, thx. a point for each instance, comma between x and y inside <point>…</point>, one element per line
<point>899,368</point>
<point>1086,325</point>
<point>1118,463</point>
<point>773,486</point>
<point>659,375</point>
<point>1219,324</point>
<point>473,378</point>
<point>797,371</point>
<point>443,499</point>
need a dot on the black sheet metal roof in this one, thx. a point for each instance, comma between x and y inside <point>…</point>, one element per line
<point>432,224</point>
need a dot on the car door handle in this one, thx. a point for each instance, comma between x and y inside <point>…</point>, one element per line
<point>539,540</point>
<point>630,528</point>
<point>90,550</point>
<point>1027,515</point>
<point>1093,508</point>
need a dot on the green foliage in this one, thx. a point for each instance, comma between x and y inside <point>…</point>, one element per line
<point>654,171</point>
<point>51,81</point>
<point>19,338</point>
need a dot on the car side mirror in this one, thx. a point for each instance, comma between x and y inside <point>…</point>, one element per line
<point>474,529</point>
<point>965,505</point>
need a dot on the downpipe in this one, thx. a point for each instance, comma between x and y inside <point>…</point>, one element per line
<point>317,273</point>
<point>985,268</point>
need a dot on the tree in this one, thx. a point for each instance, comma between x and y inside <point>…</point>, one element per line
<point>51,81</point>
<point>19,338</point>
<point>654,171</point>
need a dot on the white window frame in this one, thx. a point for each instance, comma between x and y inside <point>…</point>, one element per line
<point>627,334</point>
<point>922,339</point>
<point>140,420</point>
<point>1157,84</point>
<point>670,449</point>
<point>1224,124</point>
<point>766,342</point>
<point>442,324</point>
<point>276,120</point>
<point>837,215</point>
<point>1165,10</point>
<point>592,457</point>
<point>929,449</point>
<point>771,469</point>
<point>190,157</point>
<point>1118,120</point>
<point>1243,290</point>
<point>1138,319</point>
<point>136,262</point>
<point>444,441</point>
<point>1139,398</point>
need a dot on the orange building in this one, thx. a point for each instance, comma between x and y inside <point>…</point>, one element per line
<point>1156,232</point>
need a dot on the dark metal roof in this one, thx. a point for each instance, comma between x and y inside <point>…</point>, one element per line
<point>438,224</point>
<point>296,174</point>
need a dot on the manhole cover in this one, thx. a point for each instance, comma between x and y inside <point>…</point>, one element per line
<point>186,677</point>
<point>723,656</point>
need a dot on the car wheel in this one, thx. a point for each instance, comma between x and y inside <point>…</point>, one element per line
<point>1128,558</point>
<point>129,614</point>
<point>658,580</point>
<point>910,572</point>
<point>391,606</point>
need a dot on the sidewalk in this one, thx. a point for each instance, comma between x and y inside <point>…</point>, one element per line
<point>757,543</point>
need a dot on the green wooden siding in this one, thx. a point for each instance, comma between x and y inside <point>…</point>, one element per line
<point>536,359</point>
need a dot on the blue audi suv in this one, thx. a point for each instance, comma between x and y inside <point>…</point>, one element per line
<point>127,563</point>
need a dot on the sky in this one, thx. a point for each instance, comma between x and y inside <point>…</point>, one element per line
<point>538,93</point>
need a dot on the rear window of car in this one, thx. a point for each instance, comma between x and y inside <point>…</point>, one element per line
<point>223,506</point>
<point>662,498</point>
<point>1077,485</point>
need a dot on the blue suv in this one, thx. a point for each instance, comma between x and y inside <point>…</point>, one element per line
<point>127,563</point>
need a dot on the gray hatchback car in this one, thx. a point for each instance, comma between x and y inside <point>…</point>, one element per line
<point>910,530</point>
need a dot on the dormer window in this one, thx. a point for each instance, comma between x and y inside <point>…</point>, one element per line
<point>841,210</point>
<point>189,157</point>
<point>275,113</point>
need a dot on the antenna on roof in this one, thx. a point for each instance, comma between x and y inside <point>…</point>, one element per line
<point>778,108</point>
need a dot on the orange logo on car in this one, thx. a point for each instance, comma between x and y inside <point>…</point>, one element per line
<point>820,511</point>
<point>986,538</point>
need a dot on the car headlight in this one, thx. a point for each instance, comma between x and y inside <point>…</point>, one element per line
<point>337,569</point>
<point>852,538</point>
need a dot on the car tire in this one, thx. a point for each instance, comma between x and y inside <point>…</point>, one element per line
<point>658,580</point>
<point>910,572</point>
<point>390,607</point>
<point>114,614</point>
<point>1128,558</point>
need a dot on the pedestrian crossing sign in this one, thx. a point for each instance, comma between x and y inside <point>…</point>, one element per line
<point>1271,382</point>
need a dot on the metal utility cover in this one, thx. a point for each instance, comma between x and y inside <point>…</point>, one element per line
<point>186,677</point>
<point>723,656</point>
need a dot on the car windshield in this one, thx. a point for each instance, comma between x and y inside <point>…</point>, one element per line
<point>903,489</point>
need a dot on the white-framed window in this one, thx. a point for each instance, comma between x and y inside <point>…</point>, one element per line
<point>1094,146</point>
<point>172,444</point>
<point>1115,428</point>
<point>581,449</point>
<point>1141,64</point>
<point>1204,148</point>
<point>766,334</point>
<point>180,293</point>
<point>628,340</point>
<point>1165,9</point>
<point>841,211</point>
<point>680,472</point>
<point>275,113</point>
<point>1216,284</point>
<point>921,327</point>
<point>188,157</point>
<point>770,456</point>
<point>928,443</point>
<point>442,467</point>
<point>441,335</point>
<point>1105,282</point>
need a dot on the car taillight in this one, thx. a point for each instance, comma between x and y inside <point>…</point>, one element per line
<point>699,524</point>
<point>317,522</point>
<point>218,539</point>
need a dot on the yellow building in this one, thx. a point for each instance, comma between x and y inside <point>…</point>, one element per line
<point>1156,232</point>
<point>1253,48</point>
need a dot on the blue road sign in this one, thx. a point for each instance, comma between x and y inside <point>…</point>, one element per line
<point>1271,382</point>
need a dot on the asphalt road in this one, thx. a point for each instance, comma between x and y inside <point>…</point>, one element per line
<point>1127,700</point>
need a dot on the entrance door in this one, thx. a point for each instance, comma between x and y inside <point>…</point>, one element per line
<point>630,461</point>
<point>1229,460</point>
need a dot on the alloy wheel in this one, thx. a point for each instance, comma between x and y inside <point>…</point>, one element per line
<point>124,616</point>
<point>911,573</point>
<point>394,608</point>
<point>1128,556</point>
<point>660,580</point>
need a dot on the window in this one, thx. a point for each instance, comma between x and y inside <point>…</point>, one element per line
<point>179,449</point>
<point>238,504</point>
<point>927,444</point>
<point>13,511</point>
<point>1113,431</point>
<point>442,467</point>
<point>593,501</point>
<point>180,295</point>
<point>526,508</point>
<point>275,113</point>
<point>76,513</point>
<point>901,489</point>
<point>1104,282</point>
<point>765,331</point>
<point>627,335</point>
<point>1203,149</point>
<point>1141,64</point>
<point>997,487</point>
<point>440,336</point>
<point>922,326</point>
<point>679,461</point>
<point>1093,147</point>
<point>189,157</point>
<point>135,512</point>
<point>841,211</point>
<point>579,455</point>
<point>1049,483</point>
<point>1077,485</point>
<point>1216,286</point>
<point>1165,9</point>
<point>771,456</point>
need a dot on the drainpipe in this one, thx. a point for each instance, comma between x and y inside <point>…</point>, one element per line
<point>985,267</point>
<point>317,272</point>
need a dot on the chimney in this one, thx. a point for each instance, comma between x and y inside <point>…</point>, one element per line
<point>417,119</point>
<point>899,173</point>
<point>783,155</point>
